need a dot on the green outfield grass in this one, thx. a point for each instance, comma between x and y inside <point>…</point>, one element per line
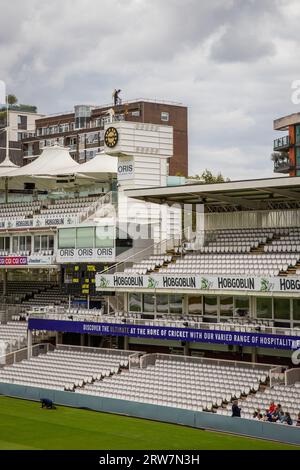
<point>24,425</point>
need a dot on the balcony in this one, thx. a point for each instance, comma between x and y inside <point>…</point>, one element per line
<point>282,144</point>
<point>282,164</point>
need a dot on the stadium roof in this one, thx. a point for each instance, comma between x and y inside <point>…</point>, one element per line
<point>261,194</point>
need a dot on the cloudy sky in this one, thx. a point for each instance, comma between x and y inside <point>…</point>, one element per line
<point>232,62</point>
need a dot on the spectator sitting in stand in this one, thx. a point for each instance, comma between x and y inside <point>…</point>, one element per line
<point>272,407</point>
<point>278,414</point>
<point>287,419</point>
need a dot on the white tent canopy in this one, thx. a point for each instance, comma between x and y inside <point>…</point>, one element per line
<point>56,168</point>
<point>52,161</point>
<point>6,166</point>
<point>99,167</point>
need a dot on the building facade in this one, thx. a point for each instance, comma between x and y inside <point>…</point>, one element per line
<point>83,130</point>
<point>287,148</point>
<point>21,125</point>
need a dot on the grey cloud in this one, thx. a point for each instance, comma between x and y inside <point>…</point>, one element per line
<point>223,58</point>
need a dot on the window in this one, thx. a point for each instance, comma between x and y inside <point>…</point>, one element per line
<point>195,304</point>
<point>297,131</point>
<point>296,309</point>
<point>135,302</point>
<point>162,303</point>
<point>51,242</point>
<point>67,238</point>
<point>298,157</point>
<point>44,242</point>
<point>15,248</point>
<point>22,122</point>
<point>104,236</point>
<point>263,307</point>
<point>242,306</point>
<point>22,243</point>
<point>165,116</point>
<point>282,309</point>
<point>85,237</point>
<point>175,303</point>
<point>210,305</point>
<point>37,243</point>
<point>28,243</point>
<point>226,306</point>
<point>136,113</point>
<point>149,303</point>
<point>4,243</point>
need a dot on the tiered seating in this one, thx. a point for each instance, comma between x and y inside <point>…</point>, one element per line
<point>26,253</point>
<point>13,333</point>
<point>236,241</point>
<point>21,290</point>
<point>149,265</point>
<point>63,370</point>
<point>287,396</point>
<point>54,295</point>
<point>68,206</point>
<point>260,265</point>
<point>188,384</point>
<point>18,210</point>
<point>289,243</point>
<point>42,208</point>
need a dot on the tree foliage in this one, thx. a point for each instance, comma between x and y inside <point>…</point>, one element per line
<point>12,99</point>
<point>209,178</point>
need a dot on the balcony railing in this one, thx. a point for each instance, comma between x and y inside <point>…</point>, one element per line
<point>282,143</point>
<point>282,165</point>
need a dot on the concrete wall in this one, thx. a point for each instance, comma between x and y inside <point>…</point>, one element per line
<point>256,429</point>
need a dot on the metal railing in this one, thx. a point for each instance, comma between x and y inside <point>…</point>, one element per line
<point>122,317</point>
<point>157,248</point>
<point>104,200</point>
<point>292,376</point>
<point>87,349</point>
<point>151,359</point>
<point>22,354</point>
<point>282,164</point>
<point>277,376</point>
<point>282,142</point>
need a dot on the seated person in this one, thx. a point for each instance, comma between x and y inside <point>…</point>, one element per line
<point>278,414</point>
<point>298,420</point>
<point>267,416</point>
<point>272,407</point>
<point>258,414</point>
<point>287,419</point>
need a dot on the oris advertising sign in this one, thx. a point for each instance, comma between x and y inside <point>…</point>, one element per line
<point>125,168</point>
<point>85,255</point>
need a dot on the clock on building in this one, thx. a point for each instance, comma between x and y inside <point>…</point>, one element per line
<point>111,137</point>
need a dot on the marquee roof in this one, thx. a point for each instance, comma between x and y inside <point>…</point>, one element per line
<point>56,168</point>
<point>52,161</point>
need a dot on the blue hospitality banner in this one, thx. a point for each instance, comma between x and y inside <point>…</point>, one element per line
<point>259,340</point>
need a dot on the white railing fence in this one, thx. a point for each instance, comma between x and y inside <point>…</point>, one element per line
<point>22,354</point>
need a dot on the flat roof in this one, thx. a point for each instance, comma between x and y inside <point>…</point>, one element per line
<point>283,123</point>
<point>259,194</point>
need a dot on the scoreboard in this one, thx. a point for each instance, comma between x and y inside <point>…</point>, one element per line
<point>81,277</point>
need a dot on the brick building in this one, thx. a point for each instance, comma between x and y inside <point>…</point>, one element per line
<point>83,130</point>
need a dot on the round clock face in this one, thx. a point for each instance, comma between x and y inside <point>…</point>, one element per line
<point>111,137</point>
